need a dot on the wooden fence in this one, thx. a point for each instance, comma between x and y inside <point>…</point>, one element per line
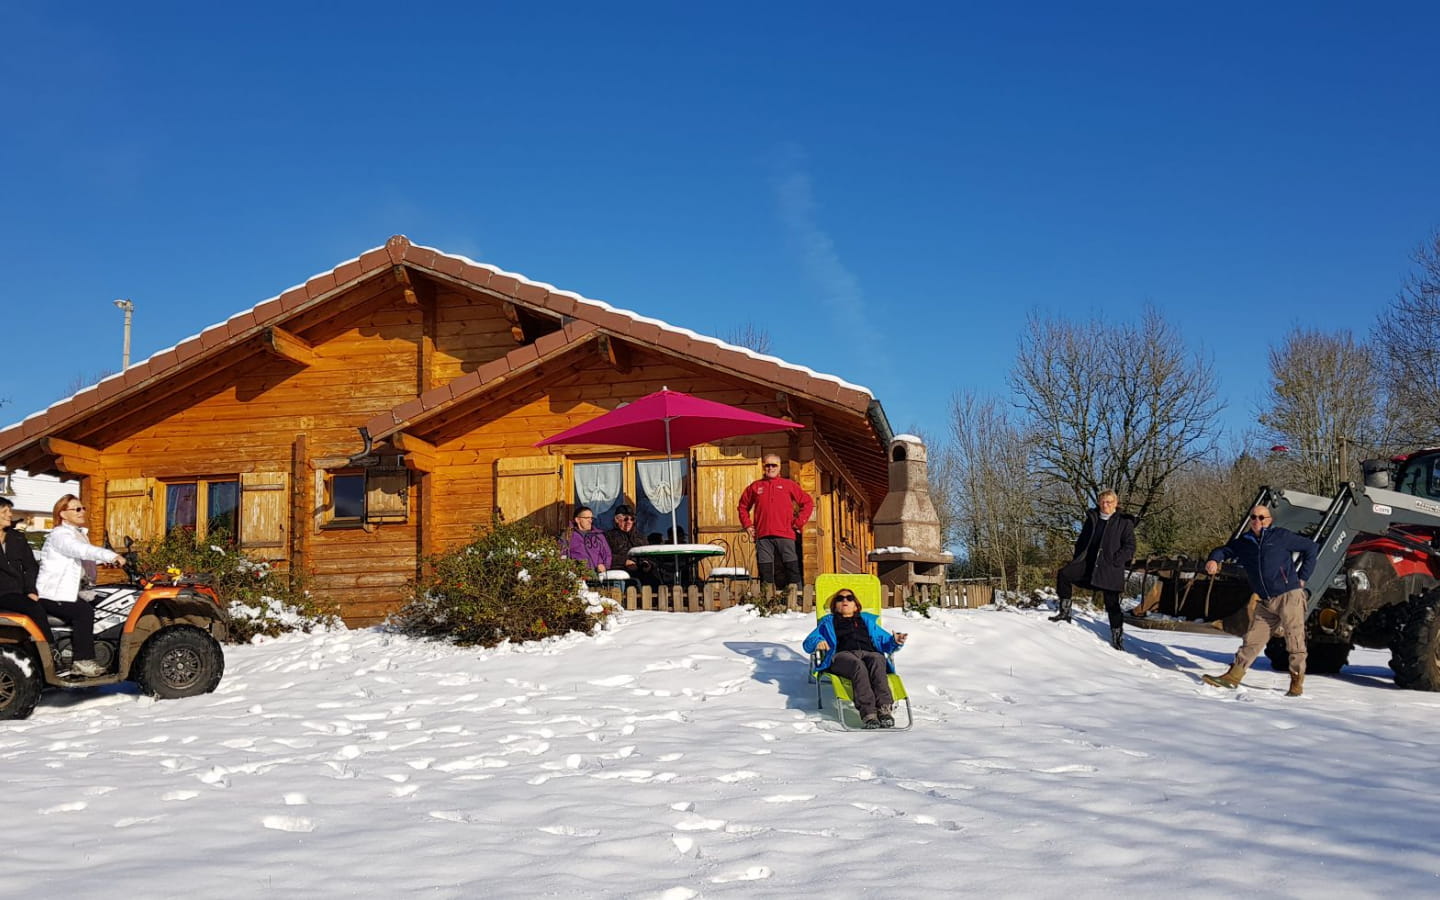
<point>715,595</point>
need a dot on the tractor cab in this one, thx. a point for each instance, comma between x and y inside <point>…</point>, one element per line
<point>1417,474</point>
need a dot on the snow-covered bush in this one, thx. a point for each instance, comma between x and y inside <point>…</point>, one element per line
<point>260,599</point>
<point>510,583</point>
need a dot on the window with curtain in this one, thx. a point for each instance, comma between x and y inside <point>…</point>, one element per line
<point>599,485</point>
<point>206,507</point>
<point>660,489</point>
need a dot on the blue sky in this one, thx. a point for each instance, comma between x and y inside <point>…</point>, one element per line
<point>889,192</point>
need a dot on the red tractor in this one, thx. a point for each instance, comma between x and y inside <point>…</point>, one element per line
<point>1376,581</point>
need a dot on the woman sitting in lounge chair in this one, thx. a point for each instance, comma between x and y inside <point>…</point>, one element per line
<point>855,645</point>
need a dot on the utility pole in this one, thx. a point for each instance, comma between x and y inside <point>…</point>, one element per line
<point>129,309</point>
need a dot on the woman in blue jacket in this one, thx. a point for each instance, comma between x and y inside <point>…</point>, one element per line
<point>855,645</point>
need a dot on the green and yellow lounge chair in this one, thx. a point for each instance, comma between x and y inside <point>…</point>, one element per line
<point>866,589</point>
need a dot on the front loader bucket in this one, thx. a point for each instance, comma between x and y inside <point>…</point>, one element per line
<point>1175,592</point>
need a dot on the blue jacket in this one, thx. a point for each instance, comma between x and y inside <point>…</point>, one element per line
<point>1267,559</point>
<point>825,630</point>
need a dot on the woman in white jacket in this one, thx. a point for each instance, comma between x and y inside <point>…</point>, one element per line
<point>62,566</point>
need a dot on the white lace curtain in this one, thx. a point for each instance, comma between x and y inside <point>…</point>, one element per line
<point>597,485</point>
<point>662,488</point>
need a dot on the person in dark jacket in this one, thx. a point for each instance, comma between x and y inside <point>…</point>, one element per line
<point>622,539</point>
<point>18,572</point>
<point>1267,554</point>
<point>1103,549</point>
<point>855,647</point>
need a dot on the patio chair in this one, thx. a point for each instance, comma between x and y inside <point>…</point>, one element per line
<point>725,571</point>
<point>866,589</point>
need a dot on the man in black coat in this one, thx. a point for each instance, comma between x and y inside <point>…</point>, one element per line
<point>1102,551</point>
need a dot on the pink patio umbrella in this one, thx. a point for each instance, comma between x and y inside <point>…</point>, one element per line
<point>668,420</point>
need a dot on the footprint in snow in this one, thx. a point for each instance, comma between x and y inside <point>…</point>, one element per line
<point>126,823</point>
<point>179,795</point>
<point>295,798</point>
<point>754,873</point>
<point>1068,770</point>
<point>288,823</point>
<point>569,830</point>
<point>73,806</point>
<point>613,681</point>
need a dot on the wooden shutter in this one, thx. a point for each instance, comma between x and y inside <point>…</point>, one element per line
<point>528,488</point>
<point>387,494</point>
<point>130,511</point>
<point>265,514</point>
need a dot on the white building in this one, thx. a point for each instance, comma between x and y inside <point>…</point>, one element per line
<point>34,496</point>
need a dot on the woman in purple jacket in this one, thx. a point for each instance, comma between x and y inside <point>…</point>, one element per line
<point>585,543</point>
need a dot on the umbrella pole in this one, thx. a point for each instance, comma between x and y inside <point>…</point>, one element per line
<point>674,534</point>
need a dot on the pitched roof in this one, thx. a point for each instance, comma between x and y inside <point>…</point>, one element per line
<point>399,251</point>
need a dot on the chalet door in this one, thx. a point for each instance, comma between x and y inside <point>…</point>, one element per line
<point>529,488</point>
<point>721,476</point>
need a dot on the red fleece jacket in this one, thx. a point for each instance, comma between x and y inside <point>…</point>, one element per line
<point>775,501</point>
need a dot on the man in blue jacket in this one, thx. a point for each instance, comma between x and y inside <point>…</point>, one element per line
<point>1267,554</point>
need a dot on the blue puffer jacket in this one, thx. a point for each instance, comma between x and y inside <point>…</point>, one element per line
<point>1267,559</point>
<point>825,630</point>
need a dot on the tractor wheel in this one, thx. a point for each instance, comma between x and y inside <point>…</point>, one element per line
<point>180,661</point>
<point>19,684</point>
<point>1320,659</point>
<point>1415,652</point>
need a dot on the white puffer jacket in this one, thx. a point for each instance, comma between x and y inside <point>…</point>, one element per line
<point>62,562</point>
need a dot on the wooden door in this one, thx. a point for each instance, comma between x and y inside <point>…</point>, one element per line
<point>131,511</point>
<point>265,514</point>
<point>721,476</point>
<point>530,488</point>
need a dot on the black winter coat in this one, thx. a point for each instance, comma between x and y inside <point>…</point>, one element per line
<point>18,567</point>
<point>1117,547</point>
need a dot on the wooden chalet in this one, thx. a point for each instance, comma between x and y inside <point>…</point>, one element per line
<point>374,415</point>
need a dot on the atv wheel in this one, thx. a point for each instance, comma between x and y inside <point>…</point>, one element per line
<point>180,661</point>
<point>1320,659</point>
<point>1415,653</point>
<point>19,684</point>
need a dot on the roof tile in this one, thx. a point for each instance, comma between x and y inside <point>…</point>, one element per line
<point>466,383</point>
<point>292,298</point>
<point>164,359</point>
<point>449,265</point>
<point>648,332</point>
<point>423,257</point>
<point>437,396</point>
<point>187,350</point>
<point>214,336</point>
<point>504,284</point>
<point>320,285</point>
<point>109,388</point>
<point>242,322</point>
<point>408,410</point>
<point>549,343</point>
<point>563,304</point>
<point>371,260</point>
<point>395,247</point>
<point>268,310</point>
<point>530,293</point>
<point>522,356</point>
<point>348,271</point>
<point>137,374</point>
<point>477,275</point>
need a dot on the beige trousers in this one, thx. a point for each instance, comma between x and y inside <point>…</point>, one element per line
<point>1285,613</point>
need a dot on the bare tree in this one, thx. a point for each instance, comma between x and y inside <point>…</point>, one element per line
<point>990,487</point>
<point>1324,404</point>
<point>750,336</point>
<point>1113,406</point>
<point>1407,340</point>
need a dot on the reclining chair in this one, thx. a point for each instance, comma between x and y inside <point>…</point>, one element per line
<point>866,589</point>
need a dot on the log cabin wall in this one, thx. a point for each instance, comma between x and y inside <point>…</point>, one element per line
<point>280,420</point>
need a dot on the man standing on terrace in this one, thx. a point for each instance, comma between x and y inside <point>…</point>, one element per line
<point>781,509</point>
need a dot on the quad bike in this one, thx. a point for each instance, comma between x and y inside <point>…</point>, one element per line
<point>162,632</point>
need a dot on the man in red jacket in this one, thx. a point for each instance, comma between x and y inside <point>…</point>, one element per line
<point>781,510</point>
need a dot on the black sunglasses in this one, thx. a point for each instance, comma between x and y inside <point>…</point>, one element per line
<point>1256,518</point>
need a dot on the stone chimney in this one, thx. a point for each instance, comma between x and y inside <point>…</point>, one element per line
<point>907,529</point>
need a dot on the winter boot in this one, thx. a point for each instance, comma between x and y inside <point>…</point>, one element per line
<point>87,668</point>
<point>1117,638</point>
<point>1230,680</point>
<point>870,722</point>
<point>1297,684</point>
<point>1063,615</point>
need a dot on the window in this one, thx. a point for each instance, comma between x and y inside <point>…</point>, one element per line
<point>363,497</point>
<point>207,507</point>
<point>5,484</point>
<point>657,486</point>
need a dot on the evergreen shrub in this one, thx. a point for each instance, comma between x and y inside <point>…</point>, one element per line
<point>511,582</point>
<point>259,599</point>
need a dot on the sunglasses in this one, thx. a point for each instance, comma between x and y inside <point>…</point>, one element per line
<point>75,509</point>
<point>771,466</point>
<point>850,597</point>
<point>1255,518</point>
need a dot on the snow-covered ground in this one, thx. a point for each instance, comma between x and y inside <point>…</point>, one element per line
<point>682,756</point>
